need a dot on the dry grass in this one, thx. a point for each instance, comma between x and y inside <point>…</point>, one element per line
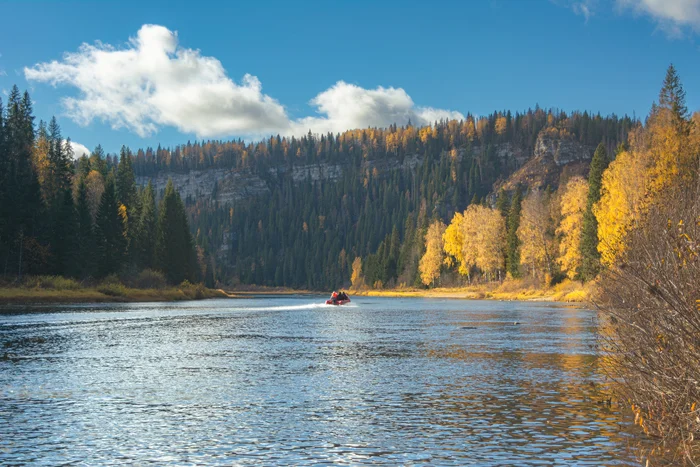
<point>521,289</point>
<point>49,289</point>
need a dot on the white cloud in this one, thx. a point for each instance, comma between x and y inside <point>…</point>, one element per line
<point>585,8</point>
<point>672,16</point>
<point>79,150</point>
<point>345,106</point>
<point>153,82</point>
<point>3,73</point>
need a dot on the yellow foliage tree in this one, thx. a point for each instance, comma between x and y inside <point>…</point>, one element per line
<point>483,237</point>
<point>453,239</point>
<point>621,202</point>
<point>356,278</point>
<point>431,262</point>
<point>536,234</point>
<point>501,125</point>
<point>573,205</point>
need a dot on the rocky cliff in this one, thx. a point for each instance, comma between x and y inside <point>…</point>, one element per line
<point>555,156</point>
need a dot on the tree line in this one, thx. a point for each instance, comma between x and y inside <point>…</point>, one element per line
<point>84,219</point>
<point>578,228</point>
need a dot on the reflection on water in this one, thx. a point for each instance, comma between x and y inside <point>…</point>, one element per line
<point>286,381</point>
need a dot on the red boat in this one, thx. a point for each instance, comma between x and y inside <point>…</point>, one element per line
<point>337,302</point>
<point>338,298</point>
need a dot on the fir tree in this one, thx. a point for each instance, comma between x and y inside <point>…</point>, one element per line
<point>512,241</point>
<point>146,230</point>
<point>175,248</point>
<point>65,238</point>
<point>126,184</point>
<point>86,246</point>
<point>110,239</point>
<point>590,257</point>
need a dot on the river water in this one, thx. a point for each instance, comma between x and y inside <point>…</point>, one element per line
<point>279,381</point>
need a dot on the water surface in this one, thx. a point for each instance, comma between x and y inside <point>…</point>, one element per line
<point>270,381</point>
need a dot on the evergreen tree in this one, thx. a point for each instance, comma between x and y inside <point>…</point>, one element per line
<point>60,168</point>
<point>175,248</point>
<point>590,257</point>
<point>672,97</point>
<point>110,239</point>
<point>512,241</point>
<point>126,184</point>
<point>86,246</point>
<point>22,206</point>
<point>65,238</point>
<point>146,230</point>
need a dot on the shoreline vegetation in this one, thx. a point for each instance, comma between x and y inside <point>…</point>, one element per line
<point>56,289</point>
<point>566,291</point>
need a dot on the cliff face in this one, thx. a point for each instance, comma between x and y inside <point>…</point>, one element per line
<point>554,157</point>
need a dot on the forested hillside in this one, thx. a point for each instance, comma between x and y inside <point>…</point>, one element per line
<point>84,219</point>
<point>310,206</point>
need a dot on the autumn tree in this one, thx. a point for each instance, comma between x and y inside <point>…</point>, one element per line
<point>431,262</point>
<point>536,235</point>
<point>484,233</point>
<point>356,278</point>
<point>453,240</point>
<point>573,206</point>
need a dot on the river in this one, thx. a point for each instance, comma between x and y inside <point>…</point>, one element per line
<point>280,381</point>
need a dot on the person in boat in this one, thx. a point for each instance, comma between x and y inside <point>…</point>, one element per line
<point>343,296</point>
<point>334,296</point>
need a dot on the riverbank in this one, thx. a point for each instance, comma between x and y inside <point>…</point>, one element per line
<point>60,290</point>
<point>566,291</point>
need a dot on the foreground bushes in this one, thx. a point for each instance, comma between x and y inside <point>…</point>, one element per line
<point>652,334</point>
<point>148,285</point>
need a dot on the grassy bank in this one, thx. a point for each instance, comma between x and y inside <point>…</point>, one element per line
<point>54,289</point>
<point>567,291</point>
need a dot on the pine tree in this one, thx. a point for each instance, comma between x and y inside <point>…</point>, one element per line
<point>146,230</point>
<point>672,97</point>
<point>590,257</point>
<point>110,239</point>
<point>126,184</point>
<point>86,246</point>
<point>512,241</point>
<point>22,206</point>
<point>60,167</point>
<point>65,238</point>
<point>175,248</point>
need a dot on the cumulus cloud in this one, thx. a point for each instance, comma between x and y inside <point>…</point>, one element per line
<point>345,106</point>
<point>672,16</point>
<point>79,150</point>
<point>153,82</point>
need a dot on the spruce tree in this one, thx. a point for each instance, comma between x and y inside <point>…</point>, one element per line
<point>110,239</point>
<point>126,184</point>
<point>22,206</point>
<point>175,248</point>
<point>86,246</point>
<point>65,238</point>
<point>146,230</point>
<point>512,241</point>
<point>672,97</point>
<point>590,257</point>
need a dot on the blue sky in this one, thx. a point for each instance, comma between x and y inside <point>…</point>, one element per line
<point>332,65</point>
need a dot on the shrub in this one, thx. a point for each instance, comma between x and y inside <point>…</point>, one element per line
<point>111,286</point>
<point>652,332</point>
<point>150,279</point>
<point>51,282</point>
